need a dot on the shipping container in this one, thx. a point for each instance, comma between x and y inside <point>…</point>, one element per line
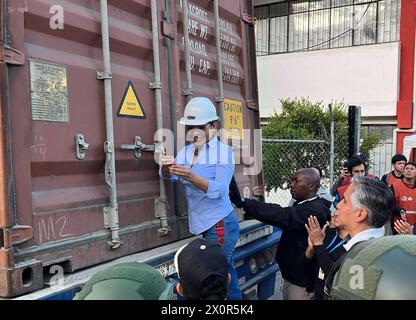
<point>85,85</point>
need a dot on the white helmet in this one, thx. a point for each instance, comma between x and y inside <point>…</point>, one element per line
<point>199,111</point>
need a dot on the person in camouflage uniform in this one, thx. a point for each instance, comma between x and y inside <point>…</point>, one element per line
<point>127,281</point>
<point>378,269</point>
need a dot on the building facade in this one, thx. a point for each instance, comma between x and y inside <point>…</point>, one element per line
<point>354,51</point>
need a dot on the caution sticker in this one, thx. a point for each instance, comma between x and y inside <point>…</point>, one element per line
<point>233,119</point>
<point>130,106</point>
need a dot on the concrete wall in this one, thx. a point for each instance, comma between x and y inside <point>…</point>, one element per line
<point>364,75</point>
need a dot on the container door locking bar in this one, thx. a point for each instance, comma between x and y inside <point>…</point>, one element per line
<point>111,214</point>
<point>139,147</point>
<point>161,203</point>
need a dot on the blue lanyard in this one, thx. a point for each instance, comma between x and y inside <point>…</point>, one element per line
<point>332,242</point>
<point>339,243</point>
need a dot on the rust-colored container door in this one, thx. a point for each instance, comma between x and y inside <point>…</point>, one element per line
<point>55,96</point>
<point>54,127</point>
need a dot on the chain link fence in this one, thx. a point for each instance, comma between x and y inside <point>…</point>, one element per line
<point>282,157</point>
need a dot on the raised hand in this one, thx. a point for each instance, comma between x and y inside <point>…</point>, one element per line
<point>316,234</point>
<point>403,227</point>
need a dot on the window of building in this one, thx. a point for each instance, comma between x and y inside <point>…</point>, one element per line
<point>301,25</point>
<point>381,156</point>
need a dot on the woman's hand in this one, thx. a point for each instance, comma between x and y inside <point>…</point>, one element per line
<point>403,227</point>
<point>184,173</point>
<point>166,161</point>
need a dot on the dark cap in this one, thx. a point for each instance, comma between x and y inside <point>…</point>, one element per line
<point>361,155</point>
<point>198,260</point>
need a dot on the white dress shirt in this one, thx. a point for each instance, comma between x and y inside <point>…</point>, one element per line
<point>364,235</point>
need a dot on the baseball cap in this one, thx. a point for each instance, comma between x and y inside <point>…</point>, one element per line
<point>197,261</point>
<point>361,155</point>
<point>127,281</point>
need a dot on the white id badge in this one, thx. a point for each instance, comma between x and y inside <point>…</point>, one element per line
<point>321,274</point>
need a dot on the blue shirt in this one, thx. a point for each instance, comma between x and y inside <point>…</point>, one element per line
<point>216,164</point>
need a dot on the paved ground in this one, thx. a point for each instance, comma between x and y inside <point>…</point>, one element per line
<point>277,293</point>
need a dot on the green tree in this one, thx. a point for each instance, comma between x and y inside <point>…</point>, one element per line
<point>300,119</point>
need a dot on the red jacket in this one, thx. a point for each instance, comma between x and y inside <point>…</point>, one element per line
<point>390,178</point>
<point>341,190</point>
<point>405,199</point>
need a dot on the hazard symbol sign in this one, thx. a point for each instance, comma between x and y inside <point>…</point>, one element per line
<point>130,106</point>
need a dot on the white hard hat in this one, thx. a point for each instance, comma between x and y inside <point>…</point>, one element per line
<point>199,111</point>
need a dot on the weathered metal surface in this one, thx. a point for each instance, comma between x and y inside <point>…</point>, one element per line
<point>57,197</point>
<point>49,89</point>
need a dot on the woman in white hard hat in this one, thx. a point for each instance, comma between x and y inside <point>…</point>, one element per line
<point>205,167</point>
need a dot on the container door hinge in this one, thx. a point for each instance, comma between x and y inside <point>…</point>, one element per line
<point>252,104</point>
<point>16,235</point>
<point>12,56</point>
<point>258,191</point>
<point>168,30</point>
<point>248,18</point>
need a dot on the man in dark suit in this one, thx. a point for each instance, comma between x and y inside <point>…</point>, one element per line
<point>298,277</point>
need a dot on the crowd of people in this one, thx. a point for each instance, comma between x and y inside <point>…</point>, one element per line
<point>320,231</point>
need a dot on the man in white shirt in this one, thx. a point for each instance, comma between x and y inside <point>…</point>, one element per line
<point>365,208</point>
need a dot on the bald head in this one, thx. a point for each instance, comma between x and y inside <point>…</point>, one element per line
<point>305,184</point>
<point>312,176</point>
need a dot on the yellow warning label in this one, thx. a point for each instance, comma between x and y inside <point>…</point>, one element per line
<point>233,118</point>
<point>130,106</point>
